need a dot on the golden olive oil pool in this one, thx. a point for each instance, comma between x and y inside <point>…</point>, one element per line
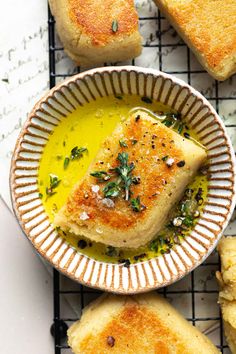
<point>86,128</point>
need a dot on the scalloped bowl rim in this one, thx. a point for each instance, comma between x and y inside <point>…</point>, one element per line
<point>137,70</point>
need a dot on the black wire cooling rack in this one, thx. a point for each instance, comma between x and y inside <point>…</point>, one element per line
<point>195,295</point>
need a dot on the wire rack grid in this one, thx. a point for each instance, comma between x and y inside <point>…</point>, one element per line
<point>195,295</point>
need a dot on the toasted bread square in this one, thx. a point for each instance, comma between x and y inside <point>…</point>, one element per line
<point>97,31</point>
<point>209,29</point>
<point>140,324</point>
<point>163,162</point>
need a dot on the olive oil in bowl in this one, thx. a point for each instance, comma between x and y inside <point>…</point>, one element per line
<point>74,144</point>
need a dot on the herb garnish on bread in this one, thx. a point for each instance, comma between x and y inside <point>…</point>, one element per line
<point>97,31</point>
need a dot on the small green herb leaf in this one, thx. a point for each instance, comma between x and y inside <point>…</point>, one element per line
<point>154,245</point>
<point>40,195</point>
<point>123,180</point>
<point>168,122</point>
<point>188,221</point>
<point>165,158</point>
<point>170,119</point>
<point>157,245</point>
<point>54,182</point>
<point>180,128</point>
<point>123,143</point>
<point>99,174</point>
<point>77,153</point>
<point>134,141</point>
<point>136,205</point>
<point>124,171</point>
<point>66,162</point>
<point>111,189</point>
<point>114,26</point>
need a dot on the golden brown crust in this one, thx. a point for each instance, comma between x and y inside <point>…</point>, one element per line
<point>209,27</point>
<point>144,324</point>
<point>141,324</point>
<point>161,186</point>
<point>150,137</point>
<point>96,17</point>
<point>85,29</point>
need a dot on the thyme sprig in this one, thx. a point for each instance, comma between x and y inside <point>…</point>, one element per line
<point>101,176</point>
<point>136,204</point>
<point>122,181</point>
<point>112,189</point>
<point>124,171</point>
<point>54,182</point>
<point>157,244</point>
<point>173,120</point>
<point>77,153</point>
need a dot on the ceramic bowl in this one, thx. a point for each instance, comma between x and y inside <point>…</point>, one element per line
<point>87,86</point>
